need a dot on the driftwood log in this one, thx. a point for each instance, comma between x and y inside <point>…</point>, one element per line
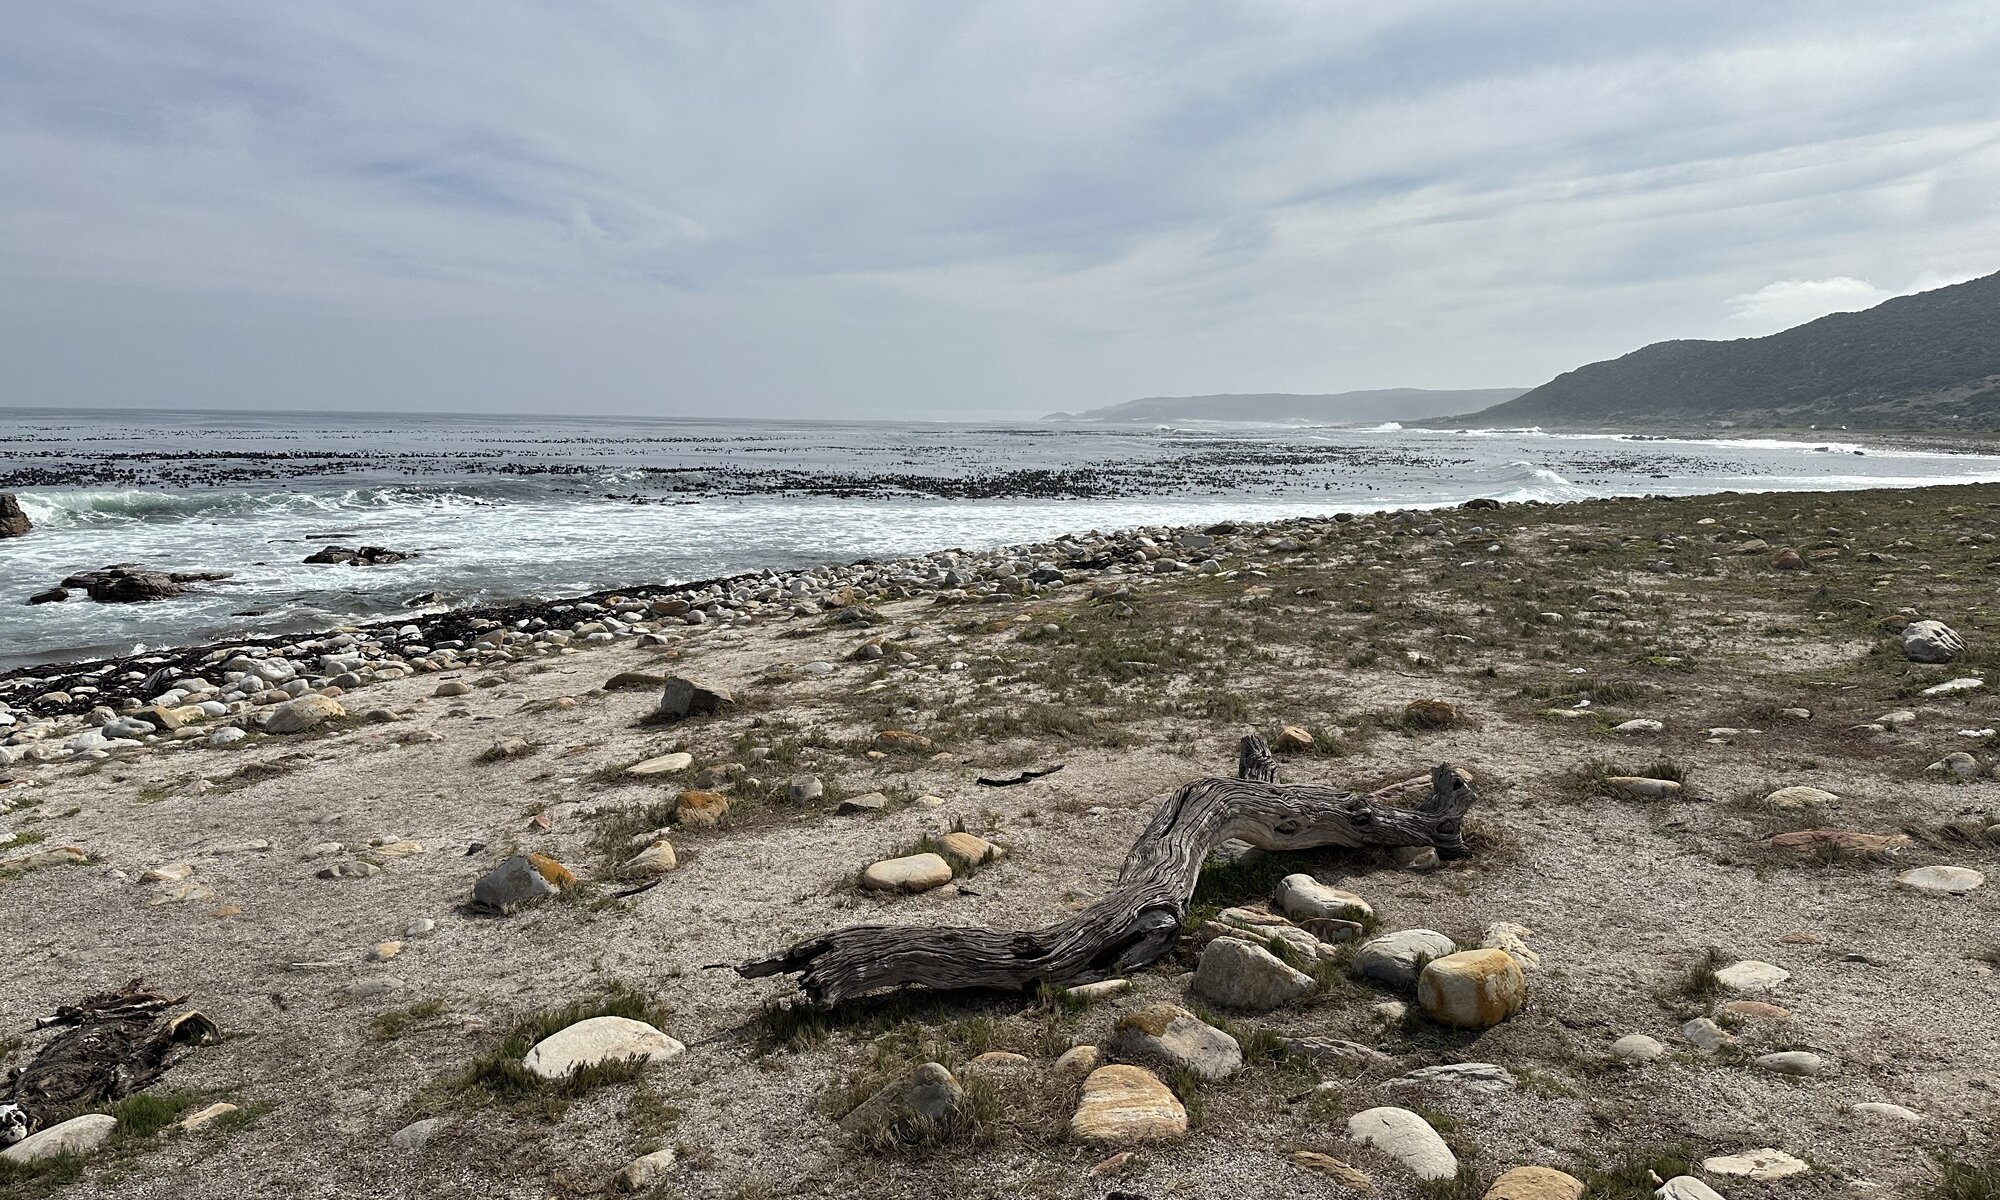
<point>1138,922</point>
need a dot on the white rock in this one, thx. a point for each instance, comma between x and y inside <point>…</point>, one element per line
<point>665,764</point>
<point>644,1172</point>
<point>1395,958</point>
<point>1639,725</point>
<point>1941,881</point>
<point>1883,1111</point>
<point>1949,686</point>
<point>1756,1164</point>
<point>599,1040</point>
<point>1637,1048</point>
<point>1750,975</point>
<point>1407,1138</point>
<point>1686,1187</point>
<point>1706,1034</point>
<point>78,1136</point>
<point>1801,797</point>
<point>1301,897</point>
<point>1236,974</point>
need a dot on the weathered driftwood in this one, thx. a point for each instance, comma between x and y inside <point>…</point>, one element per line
<point>1137,923</point>
<point>116,1043</point>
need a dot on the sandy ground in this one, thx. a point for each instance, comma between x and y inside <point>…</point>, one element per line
<point>1897,990</point>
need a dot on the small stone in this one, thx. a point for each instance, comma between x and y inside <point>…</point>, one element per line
<point>656,859</point>
<point>599,1040</point>
<point>349,870</point>
<point>920,1103</point>
<point>1707,1035</point>
<point>1686,1187</point>
<point>893,741</point>
<point>452,687</point>
<point>421,927</point>
<point>1473,989</point>
<point>1792,1062</point>
<point>1103,989</point>
<point>1334,1054</point>
<point>967,849</point>
<point>914,873</point>
<point>1958,764</point>
<point>1882,1111</point>
<point>1407,1138</point>
<point>384,951</point>
<point>685,697</point>
<point>1292,738</point>
<point>1750,975</point>
<point>1941,881</point>
<point>373,989</point>
<point>1332,1168</point>
<point>1237,974</point>
<point>1125,1105</point>
<point>1800,797</point>
<point>1077,1062</point>
<point>804,789</point>
<point>1301,897</point>
<point>1637,1048</point>
<point>77,1136</point>
<point>1513,938</point>
<point>170,873</point>
<point>1486,1079</point>
<point>207,1116</point>
<point>417,1134</point>
<point>1535,1183</point>
<point>645,1172</point>
<point>995,1062</point>
<point>1759,1165</point>
<point>855,806</point>
<point>1168,1036</point>
<point>665,764</point>
<point>700,810</point>
<point>1395,958</point>
<point>1643,787</point>
<point>1416,858</point>
<point>1639,725</point>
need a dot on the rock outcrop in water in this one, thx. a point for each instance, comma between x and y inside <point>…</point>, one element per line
<point>124,583</point>
<point>13,522</point>
<point>366,556</point>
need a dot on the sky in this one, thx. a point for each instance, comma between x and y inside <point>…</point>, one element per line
<point>955,209</point>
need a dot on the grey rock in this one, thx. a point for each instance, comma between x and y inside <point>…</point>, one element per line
<point>1706,1034</point>
<point>644,1172</point>
<point>1165,1035</point>
<point>685,697</point>
<point>1236,974</point>
<point>1931,642</point>
<point>1481,1078</point>
<point>77,1136</point>
<point>1335,1054</point>
<point>1397,958</point>
<point>1637,1048</point>
<point>1407,1138</point>
<point>1792,1062</point>
<point>417,1134</point>
<point>922,1102</point>
<point>512,886</point>
<point>1301,897</point>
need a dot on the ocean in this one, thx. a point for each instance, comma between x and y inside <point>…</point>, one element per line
<point>500,508</point>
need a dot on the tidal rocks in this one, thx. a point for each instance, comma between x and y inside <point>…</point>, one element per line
<point>921,1104</point>
<point>598,1040</point>
<point>1126,1105</point>
<point>521,881</point>
<point>1473,989</point>
<point>76,1137</point>
<point>1236,974</point>
<point>1931,642</point>
<point>303,715</point>
<point>1301,897</point>
<point>1407,1138</point>
<point>365,556</point>
<point>1396,958</point>
<point>912,873</point>
<point>1166,1035</point>
<point>13,521</point>
<point>685,697</point>
<point>54,595</point>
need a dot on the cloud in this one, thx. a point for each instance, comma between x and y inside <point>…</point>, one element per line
<point>892,208</point>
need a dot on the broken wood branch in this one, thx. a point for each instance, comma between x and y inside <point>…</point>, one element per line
<point>1138,921</point>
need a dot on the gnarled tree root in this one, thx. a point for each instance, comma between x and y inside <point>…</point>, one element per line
<point>1138,922</point>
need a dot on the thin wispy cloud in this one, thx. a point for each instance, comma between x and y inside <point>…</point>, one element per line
<point>943,209</point>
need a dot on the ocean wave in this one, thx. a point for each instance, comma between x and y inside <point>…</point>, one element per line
<point>84,508</point>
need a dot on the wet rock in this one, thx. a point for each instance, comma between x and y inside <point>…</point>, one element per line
<point>1125,1105</point>
<point>1931,642</point>
<point>1407,1138</point>
<point>597,1040</point>
<point>13,521</point>
<point>1171,1037</point>
<point>1236,974</point>
<point>685,697</point>
<point>363,556</point>
<point>1473,989</point>
<point>54,595</point>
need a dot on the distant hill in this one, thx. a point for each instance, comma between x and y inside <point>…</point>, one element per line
<point>1387,404</point>
<point>1925,362</point>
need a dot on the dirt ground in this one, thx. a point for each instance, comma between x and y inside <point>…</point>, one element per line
<point>1133,695</point>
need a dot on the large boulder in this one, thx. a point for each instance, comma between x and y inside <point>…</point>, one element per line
<point>1236,974</point>
<point>597,1040</point>
<point>1474,989</point>
<point>1125,1105</point>
<point>303,714</point>
<point>1395,958</point>
<point>685,697</point>
<point>13,522</point>
<point>1171,1037</point>
<point>1931,642</point>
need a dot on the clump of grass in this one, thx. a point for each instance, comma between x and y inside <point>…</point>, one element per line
<point>1697,985</point>
<point>388,1026</point>
<point>1466,1185</point>
<point>1961,1180</point>
<point>1631,1177</point>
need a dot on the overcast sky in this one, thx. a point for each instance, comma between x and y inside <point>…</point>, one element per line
<point>952,209</point>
